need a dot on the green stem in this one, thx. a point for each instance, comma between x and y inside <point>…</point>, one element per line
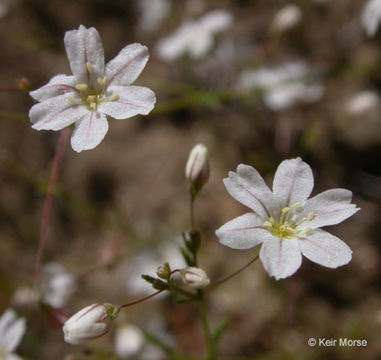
<point>212,351</point>
<point>191,212</point>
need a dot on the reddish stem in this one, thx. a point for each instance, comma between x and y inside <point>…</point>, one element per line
<point>142,299</point>
<point>234,273</point>
<point>61,144</point>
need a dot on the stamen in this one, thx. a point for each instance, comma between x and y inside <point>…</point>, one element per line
<point>89,67</point>
<point>310,216</point>
<point>102,81</point>
<point>74,101</point>
<point>114,96</point>
<point>308,231</point>
<point>297,206</point>
<point>81,87</point>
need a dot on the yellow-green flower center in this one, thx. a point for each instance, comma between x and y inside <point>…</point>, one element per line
<point>91,96</point>
<point>287,227</point>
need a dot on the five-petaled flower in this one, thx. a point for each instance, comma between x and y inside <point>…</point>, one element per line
<point>12,330</point>
<point>94,91</point>
<point>285,221</point>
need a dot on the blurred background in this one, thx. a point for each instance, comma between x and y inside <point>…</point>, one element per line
<point>257,81</point>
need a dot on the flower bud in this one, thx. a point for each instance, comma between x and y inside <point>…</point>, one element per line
<point>195,277</point>
<point>90,323</point>
<point>197,167</point>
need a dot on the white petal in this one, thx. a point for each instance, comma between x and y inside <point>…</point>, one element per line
<point>325,249</point>
<point>243,232</point>
<point>85,46</point>
<point>371,16</point>
<point>247,186</point>
<point>89,131</point>
<point>14,334</point>
<point>55,113</point>
<point>329,208</point>
<point>127,65</point>
<point>132,100</point>
<point>293,182</point>
<point>8,317</point>
<point>280,258</point>
<point>58,85</point>
<point>216,20</point>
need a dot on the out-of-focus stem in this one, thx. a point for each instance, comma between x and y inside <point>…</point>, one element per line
<point>234,273</point>
<point>62,141</point>
<point>191,211</point>
<point>212,351</point>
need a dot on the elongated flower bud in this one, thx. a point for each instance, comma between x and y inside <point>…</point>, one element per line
<point>195,277</point>
<point>90,323</point>
<point>197,168</point>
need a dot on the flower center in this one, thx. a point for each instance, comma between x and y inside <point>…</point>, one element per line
<point>90,95</point>
<point>287,227</point>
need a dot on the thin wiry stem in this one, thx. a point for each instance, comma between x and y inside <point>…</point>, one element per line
<point>142,299</point>
<point>62,141</point>
<point>218,283</point>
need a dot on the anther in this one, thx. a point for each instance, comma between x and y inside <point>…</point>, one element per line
<point>308,231</point>
<point>310,216</point>
<point>102,81</point>
<point>89,67</point>
<point>74,101</point>
<point>297,205</point>
<point>81,87</point>
<point>114,96</point>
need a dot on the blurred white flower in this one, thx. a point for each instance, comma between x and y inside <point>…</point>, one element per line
<point>3,9</point>
<point>12,330</point>
<point>285,221</point>
<point>195,37</point>
<point>89,323</point>
<point>58,286</point>
<point>362,102</point>
<point>360,120</point>
<point>283,86</point>
<point>195,277</point>
<point>286,18</point>
<point>152,13</point>
<point>93,91</point>
<point>371,16</point>
<point>129,341</point>
<point>147,263</point>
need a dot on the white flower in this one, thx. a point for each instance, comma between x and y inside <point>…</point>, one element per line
<point>89,323</point>
<point>129,341</point>
<point>197,167</point>
<point>371,16</point>
<point>195,277</point>
<point>195,37</point>
<point>285,221</point>
<point>58,285</point>
<point>12,330</point>
<point>362,103</point>
<point>152,13</point>
<point>93,91</point>
<point>283,86</point>
<point>286,18</point>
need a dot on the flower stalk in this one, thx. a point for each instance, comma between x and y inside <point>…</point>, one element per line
<point>62,141</point>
